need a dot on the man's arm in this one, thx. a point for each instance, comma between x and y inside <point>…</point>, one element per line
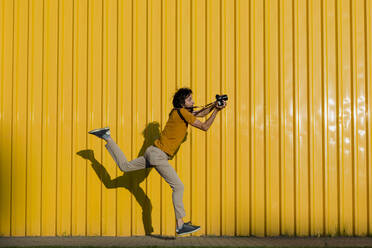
<point>206,125</point>
<point>204,111</point>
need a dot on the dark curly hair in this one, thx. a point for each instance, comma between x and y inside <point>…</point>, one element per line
<point>180,96</point>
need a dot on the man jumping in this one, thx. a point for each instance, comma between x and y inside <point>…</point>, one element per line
<point>164,148</point>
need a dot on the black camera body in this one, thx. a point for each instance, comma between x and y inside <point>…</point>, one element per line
<point>220,99</point>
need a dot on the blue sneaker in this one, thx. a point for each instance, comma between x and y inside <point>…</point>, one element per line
<point>103,133</point>
<point>187,228</point>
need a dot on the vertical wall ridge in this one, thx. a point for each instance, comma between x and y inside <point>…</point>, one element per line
<point>308,114</point>
<point>337,118</point>
<point>73,82</point>
<point>86,122</point>
<point>368,130</point>
<point>352,30</point>
<point>27,110</point>
<point>324,133</point>
<point>266,126</point>
<point>12,129</point>
<point>42,121</point>
<point>280,116</point>
<point>295,128</point>
<point>57,129</point>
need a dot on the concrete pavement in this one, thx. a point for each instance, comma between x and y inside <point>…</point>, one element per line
<point>188,241</point>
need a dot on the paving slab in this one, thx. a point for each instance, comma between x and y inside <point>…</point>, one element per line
<point>162,241</point>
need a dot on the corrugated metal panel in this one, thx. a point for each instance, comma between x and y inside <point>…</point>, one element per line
<point>290,155</point>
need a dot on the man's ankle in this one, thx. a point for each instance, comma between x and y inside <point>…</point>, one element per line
<point>180,223</point>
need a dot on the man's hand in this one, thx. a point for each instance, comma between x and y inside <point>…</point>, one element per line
<point>205,125</point>
<point>222,106</point>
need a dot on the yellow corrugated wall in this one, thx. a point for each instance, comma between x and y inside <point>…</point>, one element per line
<point>290,155</point>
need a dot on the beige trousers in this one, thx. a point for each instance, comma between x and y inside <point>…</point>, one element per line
<point>157,158</point>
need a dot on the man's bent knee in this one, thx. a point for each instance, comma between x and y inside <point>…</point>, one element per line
<point>124,166</point>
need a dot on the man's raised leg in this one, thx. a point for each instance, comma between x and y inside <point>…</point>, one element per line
<point>116,153</point>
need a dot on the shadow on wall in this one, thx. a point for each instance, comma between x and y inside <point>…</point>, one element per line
<point>130,180</point>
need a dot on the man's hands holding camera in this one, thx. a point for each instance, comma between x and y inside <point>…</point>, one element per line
<point>219,104</point>
<point>219,107</point>
<point>221,101</point>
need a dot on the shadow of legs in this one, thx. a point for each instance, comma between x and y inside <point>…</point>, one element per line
<point>146,206</point>
<point>130,181</point>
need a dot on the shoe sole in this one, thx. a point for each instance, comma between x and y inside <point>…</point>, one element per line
<point>188,232</point>
<point>98,130</point>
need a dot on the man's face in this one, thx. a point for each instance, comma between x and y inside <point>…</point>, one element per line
<point>189,102</point>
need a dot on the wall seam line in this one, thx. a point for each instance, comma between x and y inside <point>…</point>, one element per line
<point>117,111</point>
<point>366,112</point>
<point>280,117</point>
<point>220,56</point>
<point>265,123</point>
<point>309,117</point>
<point>12,129</point>
<point>86,123</point>
<point>235,124</point>
<point>73,82</point>
<point>57,129</point>
<point>337,117</point>
<point>27,111</point>
<point>42,121</point>
<point>352,109</point>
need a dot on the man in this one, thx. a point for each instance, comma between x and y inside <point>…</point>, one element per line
<point>165,147</point>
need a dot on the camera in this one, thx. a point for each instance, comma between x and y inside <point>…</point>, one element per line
<point>220,99</point>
